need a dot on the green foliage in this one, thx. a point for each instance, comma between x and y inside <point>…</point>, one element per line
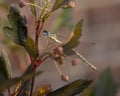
<point>5,67</point>
<point>73,40</point>
<point>65,16</point>
<point>106,85</point>
<point>8,83</point>
<point>18,30</point>
<point>31,47</point>
<point>18,33</point>
<point>71,89</point>
<point>11,34</point>
<point>13,16</point>
<point>58,4</point>
<point>22,30</point>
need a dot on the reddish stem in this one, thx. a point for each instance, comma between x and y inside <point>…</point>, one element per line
<point>32,85</point>
<point>9,94</point>
<point>38,30</point>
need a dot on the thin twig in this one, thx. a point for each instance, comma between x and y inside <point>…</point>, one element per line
<point>9,93</point>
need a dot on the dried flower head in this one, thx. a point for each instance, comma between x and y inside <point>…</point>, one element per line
<point>43,89</point>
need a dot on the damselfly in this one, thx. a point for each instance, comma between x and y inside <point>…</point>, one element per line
<point>53,37</point>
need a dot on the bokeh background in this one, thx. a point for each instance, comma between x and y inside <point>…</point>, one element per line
<point>99,42</point>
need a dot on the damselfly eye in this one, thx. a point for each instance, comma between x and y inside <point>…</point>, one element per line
<point>46,33</point>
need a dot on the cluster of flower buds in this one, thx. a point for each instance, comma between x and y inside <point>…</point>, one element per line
<point>70,4</point>
<point>58,55</point>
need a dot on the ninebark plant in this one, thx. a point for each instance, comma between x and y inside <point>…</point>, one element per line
<point>18,33</point>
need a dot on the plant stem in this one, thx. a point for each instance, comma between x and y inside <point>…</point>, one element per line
<point>38,30</point>
<point>32,85</point>
<point>9,94</point>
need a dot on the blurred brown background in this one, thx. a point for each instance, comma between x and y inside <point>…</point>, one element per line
<point>101,26</point>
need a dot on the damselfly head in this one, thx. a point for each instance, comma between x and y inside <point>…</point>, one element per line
<point>45,32</point>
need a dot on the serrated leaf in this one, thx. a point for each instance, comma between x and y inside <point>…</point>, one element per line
<point>59,3</point>
<point>71,89</point>
<point>106,85</point>
<point>22,30</point>
<point>5,67</point>
<point>13,16</point>
<point>73,40</point>
<point>8,83</point>
<point>11,34</point>
<point>33,10</point>
<point>31,47</point>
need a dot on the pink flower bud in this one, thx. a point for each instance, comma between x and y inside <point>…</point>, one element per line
<point>22,3</point>
<point>59,50</point>
<point>75,61</point>
<point>65,77</point>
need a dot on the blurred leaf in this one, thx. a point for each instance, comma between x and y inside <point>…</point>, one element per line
<point>3,4</point>
<point>58,4</point>
<point>33,10</point>
<point>13,16</point>
<point>31,47</point>
<point>88,92</point>
<point>5,67</point>
<point>22,30</point>
<point>8,83</point>
<point>1,94</point>
<point>71,89</point>
<point>64,20</point>
<point>106,85</point>
<point>11,34</point>
<point>74,37</point>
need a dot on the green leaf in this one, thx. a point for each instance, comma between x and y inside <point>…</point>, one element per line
<point>31,47</point>
<point>8,83</point>
<point>5,67</point>
<point>11,34</point>
<point>18,31</point>
<point>22,30</point>
<point>73,40</point>
<point>59,3</point>
<point>64,20</point>
<point>71,89</point>
<point>106,85</point>
<point>13,16</point>
<point>88,92</point>
<point>33,10</point>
